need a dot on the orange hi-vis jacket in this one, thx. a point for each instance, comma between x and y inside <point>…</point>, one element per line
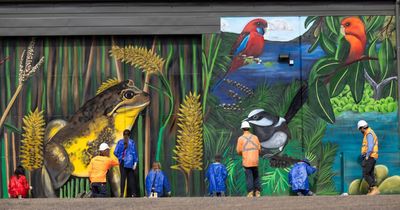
<point>249,147</point>
<point>364,147</point>
<point>98,168</point>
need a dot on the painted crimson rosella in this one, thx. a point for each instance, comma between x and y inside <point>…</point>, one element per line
<point>249,43</point>
<point>353,29</point>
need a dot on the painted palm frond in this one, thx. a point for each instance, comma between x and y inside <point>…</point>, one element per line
<point>107,84</point>
<point>139,57</point>
<point>276,181</point>
<point>236,181</point>
<point>31,152</point>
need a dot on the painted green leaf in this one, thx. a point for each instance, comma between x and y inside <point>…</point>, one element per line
<point>338,82</point>
<point>326,66</point>
<point>386,58</point>
<point>333,24</point>
<point>342,49</point>
<point>314,45</point>
<point>356,80</point>
<point>309,20</point>
<point>372,65</point>
<point>374,23</point>
<point>319,101</point>
<point>327,44</point>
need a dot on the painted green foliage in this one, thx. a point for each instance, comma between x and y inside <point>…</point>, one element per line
<point>370,60</point>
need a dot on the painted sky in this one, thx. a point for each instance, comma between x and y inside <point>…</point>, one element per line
<point>279,28</point>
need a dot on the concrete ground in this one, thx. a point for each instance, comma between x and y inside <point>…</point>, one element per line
<point>231,203</point>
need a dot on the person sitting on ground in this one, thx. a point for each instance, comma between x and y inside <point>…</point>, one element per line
<point>298,177</point>
<point>157,183</point>
<point>216,175</point>
<point>98,168</point>
<point>18,186</point>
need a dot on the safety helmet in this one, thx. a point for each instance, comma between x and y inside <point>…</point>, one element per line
<point>103,146</point>
<point>362,124</point>
<point>245,124</point>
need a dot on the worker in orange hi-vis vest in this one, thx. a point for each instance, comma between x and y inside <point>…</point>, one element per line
<point>369,152</point>
<point>248,146</point>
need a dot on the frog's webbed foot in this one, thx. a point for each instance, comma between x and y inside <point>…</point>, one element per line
<point>57,163</point>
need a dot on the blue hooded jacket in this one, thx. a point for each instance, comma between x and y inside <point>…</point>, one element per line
<point>130,156</point>
<point>216,175</point>
<point>298,176</point>
<point>156,179</point>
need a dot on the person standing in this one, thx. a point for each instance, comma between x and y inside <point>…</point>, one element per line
<point>248,146</point>
<point>98,168</point>
<point>369,154</point>
<point>157,184</point>
<point>125,151</point>
<point>216,175</point>
<point>298,177</point>
<point>18,186</point>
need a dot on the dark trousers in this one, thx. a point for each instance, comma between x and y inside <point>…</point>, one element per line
<point>252,179</point>
<point>127,174</point>
<point>368,167</point>
<point>99,190</point>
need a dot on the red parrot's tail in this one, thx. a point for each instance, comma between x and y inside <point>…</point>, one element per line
<point>236,63</point>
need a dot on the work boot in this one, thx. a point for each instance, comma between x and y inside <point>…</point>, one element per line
<point>258,194</point>
<point>374,191</point>
<point>250,194</point>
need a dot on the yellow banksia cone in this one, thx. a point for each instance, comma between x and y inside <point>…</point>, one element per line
<point>107,84</point>
<point>189,148</point>
<point>139,57</point>
<point>31,151</point>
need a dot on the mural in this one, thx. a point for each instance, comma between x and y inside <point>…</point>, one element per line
<point>301,82</point>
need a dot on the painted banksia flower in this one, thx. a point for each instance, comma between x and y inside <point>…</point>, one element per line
<point>189,148</point>
<point>139,57</point>
<point>107,84</point>
<point>31,152</point>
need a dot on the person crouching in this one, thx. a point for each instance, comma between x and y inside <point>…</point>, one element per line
<point>298,177</point>
<point>216,175</point>
<point>98,168</point>
<point>157,183</point>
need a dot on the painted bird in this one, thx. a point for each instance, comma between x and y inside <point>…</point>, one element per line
<point>249,43</point>
<point>353,29</point>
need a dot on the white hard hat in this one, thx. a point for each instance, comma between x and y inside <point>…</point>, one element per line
<point>362,124</point>
<point>103,146</point>
<point>245,124</point>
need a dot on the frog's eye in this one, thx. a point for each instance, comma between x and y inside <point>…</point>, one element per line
<point>129,94</point>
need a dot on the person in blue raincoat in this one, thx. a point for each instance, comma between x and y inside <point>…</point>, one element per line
<point>298,177</point>
<point>216,175</point>
<point>125,151</point>
<point>157,184</point>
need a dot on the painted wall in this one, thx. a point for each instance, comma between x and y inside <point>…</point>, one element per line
<point>201,88</point>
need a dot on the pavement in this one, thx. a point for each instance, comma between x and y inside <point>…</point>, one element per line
<point>206,203</point>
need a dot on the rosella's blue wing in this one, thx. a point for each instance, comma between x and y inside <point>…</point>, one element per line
<point>242,45</point>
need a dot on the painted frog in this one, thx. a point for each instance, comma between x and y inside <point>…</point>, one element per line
<point>69,146</point>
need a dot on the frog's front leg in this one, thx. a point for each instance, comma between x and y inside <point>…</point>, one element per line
<point>114,178</point>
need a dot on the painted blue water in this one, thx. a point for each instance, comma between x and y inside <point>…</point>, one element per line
<point>345,134</point>
<point>253,75</point>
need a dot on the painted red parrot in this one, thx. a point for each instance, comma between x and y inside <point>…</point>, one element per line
<point>353,29</point>
<point>249,43</point>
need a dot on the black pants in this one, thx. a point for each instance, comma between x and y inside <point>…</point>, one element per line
<point>127,174</point>
<point>99,190</point>
<point>368,167</point>
<point>252,179</point>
